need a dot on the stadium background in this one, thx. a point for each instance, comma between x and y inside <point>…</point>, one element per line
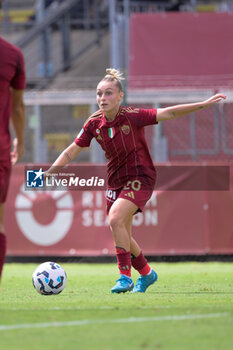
<point>171,52</point>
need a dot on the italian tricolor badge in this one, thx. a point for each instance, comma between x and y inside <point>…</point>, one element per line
<point>111,132</point>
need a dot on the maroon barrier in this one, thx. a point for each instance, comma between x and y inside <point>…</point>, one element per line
<point>180,50</point>
<point>74,223</point>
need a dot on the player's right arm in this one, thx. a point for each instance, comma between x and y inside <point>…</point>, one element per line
<point>69,154</point>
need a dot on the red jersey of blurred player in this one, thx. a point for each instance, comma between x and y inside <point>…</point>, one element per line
<point>12,75</point>
<point>12,83</point>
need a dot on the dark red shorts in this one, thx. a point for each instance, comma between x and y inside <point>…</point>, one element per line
<point>135,191</point>
<point>5,171</point>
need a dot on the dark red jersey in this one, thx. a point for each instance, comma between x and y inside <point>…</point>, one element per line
<point>11,75</point>
<point>124,143</point>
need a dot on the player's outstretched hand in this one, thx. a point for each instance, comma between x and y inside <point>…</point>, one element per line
<point>214,99</point>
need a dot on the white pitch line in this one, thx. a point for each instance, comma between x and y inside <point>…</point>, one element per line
<point>119,320</point>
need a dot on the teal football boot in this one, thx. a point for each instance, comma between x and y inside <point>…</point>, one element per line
<point>124,284</point>
<point>144,282</point>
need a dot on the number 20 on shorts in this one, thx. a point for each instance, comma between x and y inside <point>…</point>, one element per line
<point>133,185</point>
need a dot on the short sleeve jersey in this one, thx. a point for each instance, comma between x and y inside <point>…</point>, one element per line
<point>11,75</point>
<point>123,141</point>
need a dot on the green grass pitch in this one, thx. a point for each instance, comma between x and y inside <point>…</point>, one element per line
<point>189,308</point>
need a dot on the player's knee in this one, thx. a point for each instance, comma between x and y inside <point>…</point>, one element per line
<point>115,222</point>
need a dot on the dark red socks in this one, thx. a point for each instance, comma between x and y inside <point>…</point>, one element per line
<point>140,264</point>
<point>124,261</point>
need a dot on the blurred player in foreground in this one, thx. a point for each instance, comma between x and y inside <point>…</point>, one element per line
<point>12,84</point>
<point>131,173</point>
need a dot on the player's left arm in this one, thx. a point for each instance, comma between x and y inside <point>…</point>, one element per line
<point>173,112</point>
<point>18,121</point>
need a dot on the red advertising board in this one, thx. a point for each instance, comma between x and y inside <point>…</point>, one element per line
<point>74,223</point>
<point>180,49</point>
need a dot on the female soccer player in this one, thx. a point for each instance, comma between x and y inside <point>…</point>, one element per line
<point>131,173</point>
<point>12,85</point>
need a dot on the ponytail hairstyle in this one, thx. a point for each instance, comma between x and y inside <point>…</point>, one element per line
<point>114,75</point>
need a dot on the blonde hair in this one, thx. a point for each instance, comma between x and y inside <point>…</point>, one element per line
<point>114,75</point>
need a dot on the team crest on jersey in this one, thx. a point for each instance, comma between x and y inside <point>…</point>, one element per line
<point>98,131</point>
<point>99,138</point>
<point>125,129</point>
<point>111,132</point>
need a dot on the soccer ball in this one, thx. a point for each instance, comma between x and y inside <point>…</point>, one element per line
<point>49,278</point>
